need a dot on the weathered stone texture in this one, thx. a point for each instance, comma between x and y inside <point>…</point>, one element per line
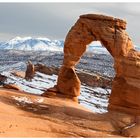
<point>111,33</point>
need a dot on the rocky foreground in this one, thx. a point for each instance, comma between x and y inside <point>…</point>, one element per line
<point>25,115</point>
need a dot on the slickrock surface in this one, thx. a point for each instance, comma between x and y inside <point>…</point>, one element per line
<point>26,115</point>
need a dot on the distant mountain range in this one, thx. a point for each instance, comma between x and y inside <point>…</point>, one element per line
<point>42,44</point>
<point>33,44</point>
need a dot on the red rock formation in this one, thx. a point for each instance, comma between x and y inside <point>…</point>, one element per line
<point>111,33</point>
<point>30,71</point>
<point>2,79</point>
<point>11,86</point>
<point>45,69</point>
<point>20,74</point>
<point>125,95</point>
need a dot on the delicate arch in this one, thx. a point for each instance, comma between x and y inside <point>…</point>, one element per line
<point>111,33</point>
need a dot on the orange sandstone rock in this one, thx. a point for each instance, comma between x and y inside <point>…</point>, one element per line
<point>11,86</point>
<point>68,82</point>
<point>111,33</point>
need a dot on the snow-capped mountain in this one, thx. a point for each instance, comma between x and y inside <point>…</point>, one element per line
<point>33,44</point>
<point>42,44</point>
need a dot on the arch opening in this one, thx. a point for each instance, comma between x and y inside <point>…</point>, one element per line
<point>95,71</point>
<point>97,59</point>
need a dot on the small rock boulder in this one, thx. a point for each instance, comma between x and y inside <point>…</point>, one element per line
<point>30,71</point>
<point>11,86</point>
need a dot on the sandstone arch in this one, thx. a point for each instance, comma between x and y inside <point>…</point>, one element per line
<point>111,33</point>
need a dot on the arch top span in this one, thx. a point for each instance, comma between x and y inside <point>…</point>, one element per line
<point>108,30</point>
<point>119,22</point>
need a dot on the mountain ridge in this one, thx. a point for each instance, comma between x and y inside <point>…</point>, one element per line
<point>32,44</point>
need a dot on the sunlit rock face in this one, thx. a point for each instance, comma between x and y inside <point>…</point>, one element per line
<point>111,33</point>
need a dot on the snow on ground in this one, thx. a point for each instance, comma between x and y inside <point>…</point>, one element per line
<point>22,99</point>
<point>27,100</point>
<point>38,85</point>
<point>17,66</point>
<point>95,99</point>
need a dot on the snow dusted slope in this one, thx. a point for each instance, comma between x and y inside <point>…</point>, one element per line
<point>95,99</point>
<point>17,66</point>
